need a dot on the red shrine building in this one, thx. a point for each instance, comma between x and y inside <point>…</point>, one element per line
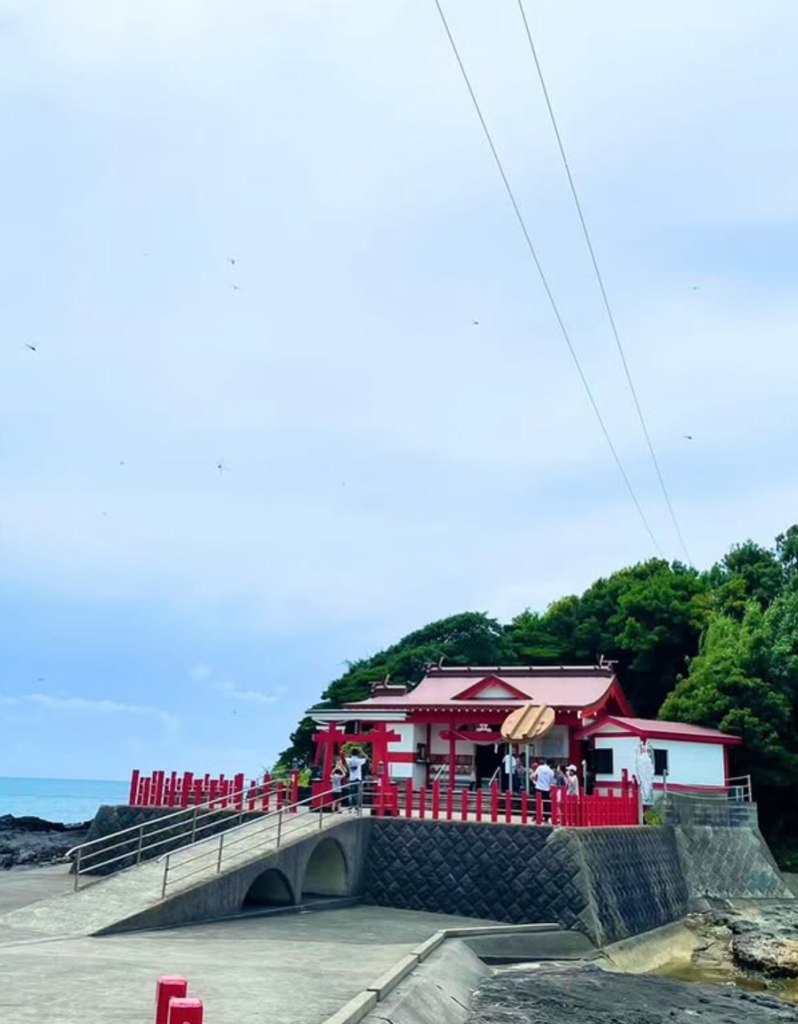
<point>448,729</point>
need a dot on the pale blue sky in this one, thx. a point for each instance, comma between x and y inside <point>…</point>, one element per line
<point>389,462</point>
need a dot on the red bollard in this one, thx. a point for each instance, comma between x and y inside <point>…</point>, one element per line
<point>494,803</point>
<point>436,800</point>
<point>450,804</point>
<point>185,791</point>
<point>538,808</point>
<point>409,798</point>
<point>508,807</point>
<point>422,802</point>
<point>165,989</point>
<point>185,1011</point>
<point>267,791</point>
<point>464,810</point>
<point>524,808</point>
<point>238,792</point>
<point>479,805</point>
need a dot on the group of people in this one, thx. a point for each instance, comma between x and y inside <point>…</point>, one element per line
<point>543,777</point>
<point>347,779</point>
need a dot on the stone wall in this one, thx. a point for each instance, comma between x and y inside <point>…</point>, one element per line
<point>609,883</point>
<point>729,863</point>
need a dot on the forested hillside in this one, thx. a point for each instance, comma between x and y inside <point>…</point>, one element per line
<point>716,648</point>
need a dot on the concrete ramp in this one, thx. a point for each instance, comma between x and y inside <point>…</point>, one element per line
<point>323,856</point>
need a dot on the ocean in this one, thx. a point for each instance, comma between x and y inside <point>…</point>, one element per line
<point>67,800</point>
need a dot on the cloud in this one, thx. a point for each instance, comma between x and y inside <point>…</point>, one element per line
<point>204,674</point>
<point>85,705</point>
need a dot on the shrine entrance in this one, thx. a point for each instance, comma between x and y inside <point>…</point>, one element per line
<point>487,758</point>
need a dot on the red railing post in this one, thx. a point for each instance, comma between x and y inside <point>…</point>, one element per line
<point>165,989</point>
<point>185,790</point>
<point>450,803</point>
<point>409,798</point>
<point>238,791</point>
<point>524,808</point>
<point>171,791</point>
<point>280,795</point>
<point>479,804</point>
<point>252,795</point>
<point>508,807</point>
<point>213,793</point>
<point>134,787</point>
<point>295,789</point>
<point>395,793</point>
<point>158,782</point>
<point>145,792</point>
<point>494,802</point>
<point>436,800</point>
<point>422,802</point>
<point>199,793</point>
<point>185,1011</point>
<point>538,808</point>
<point>267,792</point>
<point>464,808</point>
<point>556,796</point>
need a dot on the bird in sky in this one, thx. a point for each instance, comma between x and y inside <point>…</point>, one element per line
<point>687,437</point>
<point>220,465</point>
<point>236,287</point>
<point>121,462</point>
<point>31,347</point>
<point>475,323</point>
<point>231,261</point>
<point>695,287</point>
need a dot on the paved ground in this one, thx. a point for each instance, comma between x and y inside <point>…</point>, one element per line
<point>22,886</point>
<point>296,969</point>
<point>102,903</point>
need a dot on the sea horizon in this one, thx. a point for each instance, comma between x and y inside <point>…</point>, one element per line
<point>66,801</point>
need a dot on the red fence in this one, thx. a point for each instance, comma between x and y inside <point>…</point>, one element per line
<point>582,811</point>
<point>173,789</point>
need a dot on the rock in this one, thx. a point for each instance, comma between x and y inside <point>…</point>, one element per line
<point>27,841</point>
<point>770,955</point>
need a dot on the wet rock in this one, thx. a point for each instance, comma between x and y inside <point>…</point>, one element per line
<point>771,955</point>
<point>569,994</point>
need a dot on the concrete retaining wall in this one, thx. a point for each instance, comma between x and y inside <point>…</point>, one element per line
<point>609,883</point>
<point>729,863</point>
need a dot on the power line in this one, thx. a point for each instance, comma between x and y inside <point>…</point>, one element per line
<point>600,280</point>
<point>544,280</point>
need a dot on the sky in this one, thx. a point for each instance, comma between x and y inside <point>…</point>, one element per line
<point>384,460</point>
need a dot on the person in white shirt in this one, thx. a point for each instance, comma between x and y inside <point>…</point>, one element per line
<point>571,781</point>
<point>356,762</point>
<point>508,767</point>
<point>544,780</point>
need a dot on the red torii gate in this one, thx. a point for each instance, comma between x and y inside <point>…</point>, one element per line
<point>330,739</point>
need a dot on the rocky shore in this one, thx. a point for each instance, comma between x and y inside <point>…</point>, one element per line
<point>760,942</point>
<point>584,994</point>
<point>25,842</point>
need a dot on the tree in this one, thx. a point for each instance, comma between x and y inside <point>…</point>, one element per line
<point>747,572</point>
<point>470,638</point>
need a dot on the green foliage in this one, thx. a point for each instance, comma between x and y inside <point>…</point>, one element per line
<point>718,648</point>
<point>653,817</point>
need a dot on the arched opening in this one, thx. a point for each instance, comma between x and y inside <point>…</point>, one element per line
<point>327,873</point>
<point>271,889</point>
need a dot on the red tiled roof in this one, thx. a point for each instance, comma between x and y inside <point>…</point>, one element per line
<point>571,687</point>
<point>664,730</point>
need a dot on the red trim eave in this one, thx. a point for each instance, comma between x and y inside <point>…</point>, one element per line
<point>613,692</point>
<point>676,737</point>
<point>483,684</point>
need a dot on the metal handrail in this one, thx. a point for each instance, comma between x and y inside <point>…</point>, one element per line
<point>192,816</point>
<point>268,822</point>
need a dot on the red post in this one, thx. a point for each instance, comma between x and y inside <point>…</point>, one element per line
<point>625,782</point>
<point>267,788</point>
<point>409,798</point>
<point>238,791</point>
<point>479,805</point>
<point>436,800</point>
<point>508,807</point>
<point>422,802</point>
<point>295,789</point>
<point>395,796</point>
<point>185,792</point>
<point>450,804</point>
<point>524,808</point>
<point>556,796</point>
<point>165,989</point>
<point>185,1011</point>
<point>199,793</point>
<point>134,788</point>
<point>538,808</point>
<point>158,778</point>
<point>494,803</point>
<point>280,795</point>
<point>611,812</point>
<point>206,787</point>
<point>171,792</point>
<point>464,808</point>
<point>145,792</point>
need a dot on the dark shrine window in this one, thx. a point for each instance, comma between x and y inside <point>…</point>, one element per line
<point>660,762</point>
<point>602,762</point>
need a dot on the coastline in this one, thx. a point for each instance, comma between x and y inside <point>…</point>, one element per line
<point>29,841</point>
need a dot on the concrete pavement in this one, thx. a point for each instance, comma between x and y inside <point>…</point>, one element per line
<point>296,969</point>
<point>22,886</point>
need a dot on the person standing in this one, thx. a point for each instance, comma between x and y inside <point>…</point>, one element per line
<point>356,763</point>
<point>544,780</point>
<point>508,768</point>
<point>571,781</point>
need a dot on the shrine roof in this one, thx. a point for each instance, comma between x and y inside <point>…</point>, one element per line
<point>578,687</point>
<point>645,727</point>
